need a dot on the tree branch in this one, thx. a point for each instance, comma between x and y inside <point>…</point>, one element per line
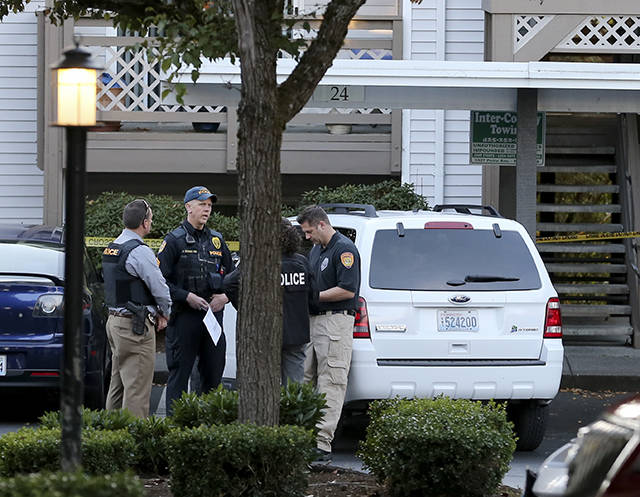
<point>294,93</point>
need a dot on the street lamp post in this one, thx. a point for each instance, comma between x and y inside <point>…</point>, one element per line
<point>74,107</point>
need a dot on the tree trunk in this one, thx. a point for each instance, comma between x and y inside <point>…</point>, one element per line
<point>259,330</point>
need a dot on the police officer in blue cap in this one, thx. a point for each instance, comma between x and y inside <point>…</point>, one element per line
<point>194,261</point>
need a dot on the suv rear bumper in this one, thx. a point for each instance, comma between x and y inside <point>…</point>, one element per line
<point>504,380</point>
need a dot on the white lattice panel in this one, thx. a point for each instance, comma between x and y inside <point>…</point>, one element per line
<point>129,83</point>
<point>603,34</point>
<point>526,27</point>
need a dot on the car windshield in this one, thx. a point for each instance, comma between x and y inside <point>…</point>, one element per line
<point>449,259</point>
<point>32,258</point>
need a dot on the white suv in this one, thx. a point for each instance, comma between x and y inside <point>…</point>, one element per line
<point>451,303</point>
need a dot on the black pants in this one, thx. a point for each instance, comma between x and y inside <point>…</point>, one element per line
<point>187,337</point>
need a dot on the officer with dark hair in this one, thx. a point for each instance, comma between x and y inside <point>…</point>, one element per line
<point>335,263</point>
<point>137,296</point>
<point>194,261</point>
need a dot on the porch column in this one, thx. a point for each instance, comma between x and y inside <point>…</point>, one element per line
<point>526,159</point>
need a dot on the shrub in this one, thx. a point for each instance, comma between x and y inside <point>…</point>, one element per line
<point>149,436</point>
<point>99,419</point>
<point>233,460</point>
<point>300,405</point>
<point>71,485</point>
<point>389,194</point>
<point>29,451</point>
<point>104,218</point>
<point>219,406</point>
<point>439,446</point>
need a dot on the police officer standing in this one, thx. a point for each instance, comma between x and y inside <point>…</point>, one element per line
<point>137,296</point>
<point>335,262</point>
<point>194,261</point>
<point>298,294</point>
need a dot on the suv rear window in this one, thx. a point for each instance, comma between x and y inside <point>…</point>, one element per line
<point>446,259</point>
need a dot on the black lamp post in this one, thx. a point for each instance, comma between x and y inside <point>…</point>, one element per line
<point>74,80</point>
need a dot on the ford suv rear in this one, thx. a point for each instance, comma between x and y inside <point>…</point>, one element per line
<point>453,303</point>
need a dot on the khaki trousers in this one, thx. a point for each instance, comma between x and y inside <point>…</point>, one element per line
<point>327,366</point>
<point>132,364</point>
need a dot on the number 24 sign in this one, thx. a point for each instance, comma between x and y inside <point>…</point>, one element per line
<point>339,93</point>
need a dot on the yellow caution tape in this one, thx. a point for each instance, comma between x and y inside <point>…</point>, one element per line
<point>618,235</point>
<point>154,243</point>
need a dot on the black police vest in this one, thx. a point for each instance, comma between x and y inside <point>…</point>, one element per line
<point>200,269</point>
<point>121,287</point>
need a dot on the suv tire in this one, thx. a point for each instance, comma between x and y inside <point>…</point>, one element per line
<point>529,419</point>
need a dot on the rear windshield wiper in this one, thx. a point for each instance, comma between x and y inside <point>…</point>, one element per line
<point>487,278</point>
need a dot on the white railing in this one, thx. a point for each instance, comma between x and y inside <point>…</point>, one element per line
<point>129,89</point>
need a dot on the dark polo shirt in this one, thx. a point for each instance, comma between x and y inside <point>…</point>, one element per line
<point>337,264</point>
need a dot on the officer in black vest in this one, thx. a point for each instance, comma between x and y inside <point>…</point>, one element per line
<point>194,261</point>
<point>137,297</point>
<point>298,296</point>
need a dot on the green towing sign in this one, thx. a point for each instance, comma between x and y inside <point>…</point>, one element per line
<point>494,138</point>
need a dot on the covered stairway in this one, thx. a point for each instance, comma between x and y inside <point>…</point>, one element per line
<point>584,188</point>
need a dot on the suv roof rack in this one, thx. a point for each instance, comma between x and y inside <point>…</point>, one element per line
<point>369,210</point>
<point>466,209</point>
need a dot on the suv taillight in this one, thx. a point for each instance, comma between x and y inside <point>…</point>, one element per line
<point>553,321</point>
<point>361,324</point>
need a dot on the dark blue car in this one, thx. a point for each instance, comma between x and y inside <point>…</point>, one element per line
<point>31,313</point>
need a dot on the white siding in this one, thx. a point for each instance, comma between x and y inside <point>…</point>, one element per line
<point>21,182</point>
<point>439,140</point>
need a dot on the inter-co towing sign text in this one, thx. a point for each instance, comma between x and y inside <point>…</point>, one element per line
<point>494,137</point>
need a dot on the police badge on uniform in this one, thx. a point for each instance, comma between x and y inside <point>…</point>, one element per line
<point>347,259</point>
<point>216,242</point>
<point>325,263</point>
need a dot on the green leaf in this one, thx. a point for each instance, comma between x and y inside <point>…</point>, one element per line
<point>166,64</point>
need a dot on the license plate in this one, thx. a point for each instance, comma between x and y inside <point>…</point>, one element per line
<point>458,321</point>
<point>3,365</point>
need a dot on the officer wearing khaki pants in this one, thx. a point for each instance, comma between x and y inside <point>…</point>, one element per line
<point>138,300</point>
<point>335,263</point>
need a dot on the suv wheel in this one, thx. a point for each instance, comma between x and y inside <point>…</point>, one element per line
<point>529,419</point>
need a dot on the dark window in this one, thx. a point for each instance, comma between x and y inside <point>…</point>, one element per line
<point>446,259</point>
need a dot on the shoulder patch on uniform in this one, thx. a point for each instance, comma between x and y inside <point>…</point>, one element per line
<point>216,242</point>
<point>162,246</point>
<point>158,262</point>
<point>347,259</point>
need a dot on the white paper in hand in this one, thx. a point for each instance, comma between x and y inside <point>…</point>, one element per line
<point>213,327</point>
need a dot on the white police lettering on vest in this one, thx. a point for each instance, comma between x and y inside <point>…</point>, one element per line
<point>291,279</point>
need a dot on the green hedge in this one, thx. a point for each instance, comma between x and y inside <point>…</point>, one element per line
<point>104,214</point>
<point>29,451</point>
<point>386,195</point>
<point>299,405</point>
<point>97,419</point>
<point>439,446</point>
<point>239,460</point>
<point>148,434</point>
<point>71,485</point>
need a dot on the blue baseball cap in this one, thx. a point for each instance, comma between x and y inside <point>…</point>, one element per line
<point>199,193</point>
